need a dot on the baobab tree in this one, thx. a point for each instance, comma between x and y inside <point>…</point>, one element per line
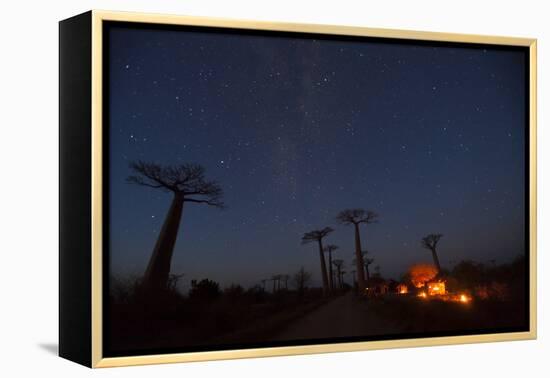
<point>342,274</point>
<point>301,280</point>
<point>329,249</point>
<point>187,184</point>
<point>276,282</point>
<point>356,217</point>
<point>318,236</point>
<point>368,262</point>
<point>339,264</point>
<point>430,242</point>
<point>285,278</point>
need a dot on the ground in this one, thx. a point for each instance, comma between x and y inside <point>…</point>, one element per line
<point>345,316</point>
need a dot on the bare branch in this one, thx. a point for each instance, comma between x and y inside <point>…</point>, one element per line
<point>316,235</point>
<point>330,248</point>
<point>357,216</point>
<point>430,241</point>
<point>185,179</point>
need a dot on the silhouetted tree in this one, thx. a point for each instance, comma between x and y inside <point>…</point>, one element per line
<point>356,217</point>
<point>187,184</point>
<point>339,264</point>
<point>317,236</point>
<point>173,280</point>
<point>430,242</point>
<point>301,280</point>
<point>204,290</point>
<point>276,278</point>
<point>342,283</point>
<point>329,249</point>
<point>285,278</point>
<point>368,262</point>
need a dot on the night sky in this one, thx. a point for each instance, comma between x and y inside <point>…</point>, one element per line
<point>297,129</point>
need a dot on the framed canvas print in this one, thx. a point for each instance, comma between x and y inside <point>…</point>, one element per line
<point>236,189</point>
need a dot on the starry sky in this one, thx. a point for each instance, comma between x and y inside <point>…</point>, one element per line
<point>296,129</point>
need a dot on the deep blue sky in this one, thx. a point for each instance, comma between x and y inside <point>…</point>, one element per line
<point>296,130</point>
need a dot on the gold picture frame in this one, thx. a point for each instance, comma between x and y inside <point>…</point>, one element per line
<point>95,20</point>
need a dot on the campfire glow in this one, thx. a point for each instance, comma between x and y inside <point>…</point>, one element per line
<point>436,288</point>
<point>422,273</point>
<point>402,289</point>
<point>423,294</point>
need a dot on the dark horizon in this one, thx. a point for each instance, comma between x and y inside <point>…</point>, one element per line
<point>296,130</point>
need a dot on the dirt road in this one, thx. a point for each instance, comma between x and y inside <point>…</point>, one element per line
<point>343,317</point>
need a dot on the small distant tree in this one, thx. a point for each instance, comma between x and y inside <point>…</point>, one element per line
<point>368,263</point>
<point>301,280</point>
<point>329,249</point>
<point>276,278</point>
<point>339,264</point>
<point>285,278</point>
<point>204,290</point>
<point>173,280</point>
<point>317,236</point>
<point>430,242</point>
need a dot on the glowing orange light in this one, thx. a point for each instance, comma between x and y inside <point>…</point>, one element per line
<point>464,298</point>
<point>423,294</point>
<point>436,288</point>
<point>402,289</point>
<point>422,273</point>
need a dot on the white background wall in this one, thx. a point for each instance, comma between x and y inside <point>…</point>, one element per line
<point>28,188</point>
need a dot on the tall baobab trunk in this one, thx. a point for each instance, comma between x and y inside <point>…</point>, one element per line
<point>331,279</point>
<point>158,269</point>
<point>361,284</point>
<point>323,268</point>
<point>436,260</point>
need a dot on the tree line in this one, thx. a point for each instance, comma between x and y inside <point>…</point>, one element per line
<point>187,184</point>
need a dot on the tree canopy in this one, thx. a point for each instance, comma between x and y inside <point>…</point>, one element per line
<point>186,180</point>
<point>357,216</point>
